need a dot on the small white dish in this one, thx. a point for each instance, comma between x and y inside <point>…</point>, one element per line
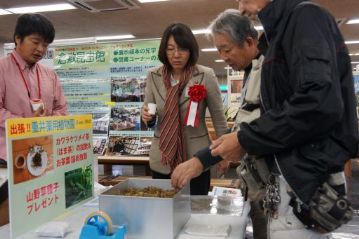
<point>36,168</point>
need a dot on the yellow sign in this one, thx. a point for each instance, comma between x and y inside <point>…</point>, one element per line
<point>46,125</point>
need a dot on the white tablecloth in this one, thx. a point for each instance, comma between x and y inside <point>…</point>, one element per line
<point>77,217</point>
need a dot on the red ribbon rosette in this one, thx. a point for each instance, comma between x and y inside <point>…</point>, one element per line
<point>196,93</point>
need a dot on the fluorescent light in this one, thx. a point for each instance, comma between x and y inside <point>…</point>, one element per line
<point>259,28</point>
<point>147,1</point>
<point>4,12</point>
<point>208,49</point>
<point>227,68</point>
<point>219,60</point>
<point>354,54</point>
<point>41,8</point>
<point>355,62</point>
<point>201,31</point>
<point>353,21</point>
<point>118,37</point>
<point>73,41</point>
<point>351,42</point>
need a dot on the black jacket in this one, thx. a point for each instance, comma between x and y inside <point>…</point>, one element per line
<point>309,122</point>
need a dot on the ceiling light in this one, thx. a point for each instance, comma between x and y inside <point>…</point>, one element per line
<point>355,62</point>
<point>259,28</point>
<point>354,54</point>
<point>4,12</point>
<point>219,60</point>
<point>227,68</point>
<point>41,8</point>
<point>208,49</point>
<point>353,21</point>
<point>73,41</point>
<point>201,31</point>
<point>351,42</point>
<point>147,1</point>
<point>117,37</point>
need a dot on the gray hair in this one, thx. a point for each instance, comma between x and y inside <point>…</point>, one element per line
<point>231,22</point>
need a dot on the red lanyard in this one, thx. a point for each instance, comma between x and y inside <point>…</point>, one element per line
<point>23,78</point>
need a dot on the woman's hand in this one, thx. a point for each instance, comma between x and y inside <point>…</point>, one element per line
<point>146,117</point>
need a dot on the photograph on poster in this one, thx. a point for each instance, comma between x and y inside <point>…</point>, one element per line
<point>78,185</point>
<point>128,89</point>
<point>128,145</point>
<point>32,158</point>
<point>125,117</point>
<point>356,85</point>
<point>99,144</point>
<point>100,123</point>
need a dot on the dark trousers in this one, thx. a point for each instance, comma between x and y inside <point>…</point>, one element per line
<point>199,185</point>
<point>259,220</point>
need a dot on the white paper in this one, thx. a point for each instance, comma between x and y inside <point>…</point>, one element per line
<point>187,236</point>
<point>53,229</point>
<point>208,230</point>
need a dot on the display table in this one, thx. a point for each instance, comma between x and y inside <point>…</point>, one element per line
<point>205,211</point>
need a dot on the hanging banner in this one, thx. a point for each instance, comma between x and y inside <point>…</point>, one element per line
<point>50,168</point>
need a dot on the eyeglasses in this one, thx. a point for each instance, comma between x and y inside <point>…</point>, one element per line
<point>172,51</point>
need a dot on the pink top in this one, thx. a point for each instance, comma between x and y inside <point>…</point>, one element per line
<point>14,99</point>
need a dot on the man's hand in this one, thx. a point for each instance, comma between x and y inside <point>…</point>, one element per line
<point>222,167</point>
<point>185,171</point>
<point>228,147</point>
<point>146,117</point>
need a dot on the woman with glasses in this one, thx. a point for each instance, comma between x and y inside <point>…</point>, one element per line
<point>182,90</point>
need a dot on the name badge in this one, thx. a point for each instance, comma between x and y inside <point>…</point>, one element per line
<point>36,104</point>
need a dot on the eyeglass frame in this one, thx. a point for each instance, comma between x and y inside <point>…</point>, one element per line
<point>179,50</point>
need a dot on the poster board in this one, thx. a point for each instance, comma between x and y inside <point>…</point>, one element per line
<point>108,81</point>
<point>50,168</point>
<point>356,88</point>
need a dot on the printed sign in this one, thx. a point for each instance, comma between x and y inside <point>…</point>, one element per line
<point>50,167</point>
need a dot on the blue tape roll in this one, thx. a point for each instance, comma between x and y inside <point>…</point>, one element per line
<point>101,221</point>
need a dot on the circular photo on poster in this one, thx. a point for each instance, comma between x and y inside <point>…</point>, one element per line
<point>36,160</point>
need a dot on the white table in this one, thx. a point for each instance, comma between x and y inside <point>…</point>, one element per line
<point>77,216</point>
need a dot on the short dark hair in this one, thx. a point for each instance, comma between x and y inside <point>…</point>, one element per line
<point>28,24</point>
<point>184,38</point>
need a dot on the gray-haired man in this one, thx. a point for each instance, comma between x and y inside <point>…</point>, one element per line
<point>236,40</point>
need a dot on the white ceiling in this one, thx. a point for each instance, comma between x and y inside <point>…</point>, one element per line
<point>150,20</point>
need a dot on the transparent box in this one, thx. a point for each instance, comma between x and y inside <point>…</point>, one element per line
<point>147,217</point>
